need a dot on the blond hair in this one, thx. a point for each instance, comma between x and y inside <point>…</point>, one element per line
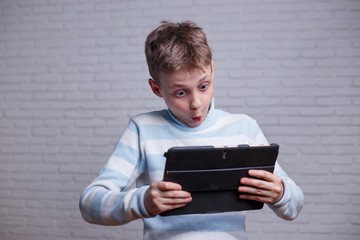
<point>176,46</point>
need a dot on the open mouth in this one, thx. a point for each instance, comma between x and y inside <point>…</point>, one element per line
<point>197,119</point>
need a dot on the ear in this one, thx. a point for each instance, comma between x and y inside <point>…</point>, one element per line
<point>154,87</point>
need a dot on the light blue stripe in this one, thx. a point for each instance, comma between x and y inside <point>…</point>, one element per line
<point>115,212</point>
<point>115,177</point>
<point>95,210</point>
<point>127,153</point>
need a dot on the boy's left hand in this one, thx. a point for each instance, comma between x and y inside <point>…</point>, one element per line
<point>261,186</point>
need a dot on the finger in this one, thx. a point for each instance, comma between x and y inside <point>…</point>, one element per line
<point>176,201</point>
<point>263,195</point>
<point>255,183</point>
<point>254,191</point>
<point>157,200</point>
<point>164,204</point>
<point>168,186</point>
<point>167,190</point>
<point>257,198</point>
<point>262,174</point>
<point>170,207</point>
<point>175,194</point>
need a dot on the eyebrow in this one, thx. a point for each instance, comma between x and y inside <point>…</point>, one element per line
<point>181,85</point>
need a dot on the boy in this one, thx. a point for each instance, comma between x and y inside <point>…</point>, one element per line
<point>182,73</point>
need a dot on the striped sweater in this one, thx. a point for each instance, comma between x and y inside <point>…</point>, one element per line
<point>116,196</point>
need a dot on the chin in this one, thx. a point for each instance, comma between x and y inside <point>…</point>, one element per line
<point>194,125</point>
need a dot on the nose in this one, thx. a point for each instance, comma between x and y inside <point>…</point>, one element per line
<point>195,102</point>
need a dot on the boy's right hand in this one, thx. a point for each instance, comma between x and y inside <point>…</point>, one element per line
<point>163,196</point>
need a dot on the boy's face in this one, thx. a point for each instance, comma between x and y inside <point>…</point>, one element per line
<point>187,94</point>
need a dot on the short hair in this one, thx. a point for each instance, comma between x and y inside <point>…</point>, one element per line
<point>176,46</point>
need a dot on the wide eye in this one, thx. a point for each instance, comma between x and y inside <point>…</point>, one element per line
<point>180,93</point>
<point>204,86</point>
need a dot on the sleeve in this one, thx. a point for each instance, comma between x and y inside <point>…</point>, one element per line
<point>110,198</point>
<point>292,202</point>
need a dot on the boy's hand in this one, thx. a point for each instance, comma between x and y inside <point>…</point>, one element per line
<point>163,196</point>
<point>261,186</point>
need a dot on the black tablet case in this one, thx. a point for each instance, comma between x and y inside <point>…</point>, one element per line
<point>212,175</point>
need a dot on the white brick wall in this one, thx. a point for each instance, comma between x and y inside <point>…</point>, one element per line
<point>72,72</point>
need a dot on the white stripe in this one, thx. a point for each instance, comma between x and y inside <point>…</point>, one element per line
<point>105,183</point>
<point>151,119</point>
<point>107,206</point>
<point>156,175</point>
<point>130,138</point>
<point>120,165</point>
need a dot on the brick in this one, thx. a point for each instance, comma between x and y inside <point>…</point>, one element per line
<point>93,105</point>
<point>53,232</point>
<point>75,131</point>
<point>57,159</point>
<point>11,203</point>
<point>75,43</point>
<point>46,78</point>
<point>32,87</point>
<point>346,130</point>
<point>113,6</point>
<point>42,223</point>
<point>281,93</point>
<point>79,60</point>
<point>74,150</point>
<point>351,91</point>
<point>135,22</point>
<point>20,177</point>
<point>84,7</point>
<point>20,62</point>
<point>32,70</point>
<point>5,53</point>
<point>320,113</point>
<point>313,92</point>
<point>61,17</point>
<point>108,131</point>
<point>326,121</point>
<point>88,234</point>
<point>80,78</point>
<point>32,52</point>
<point>81,96</point>
<point>261,63</point>
<point>283,54</point>
<point>297,63</point>
<point>19,96</point>
<point>318,53</point>
<point>28,159</point>
<point>315,16</point>
<point>245,93</point>
<point>45,132</point>
<point>93,16</point>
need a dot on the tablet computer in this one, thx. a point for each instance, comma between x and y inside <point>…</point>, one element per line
<point>212,175</point>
